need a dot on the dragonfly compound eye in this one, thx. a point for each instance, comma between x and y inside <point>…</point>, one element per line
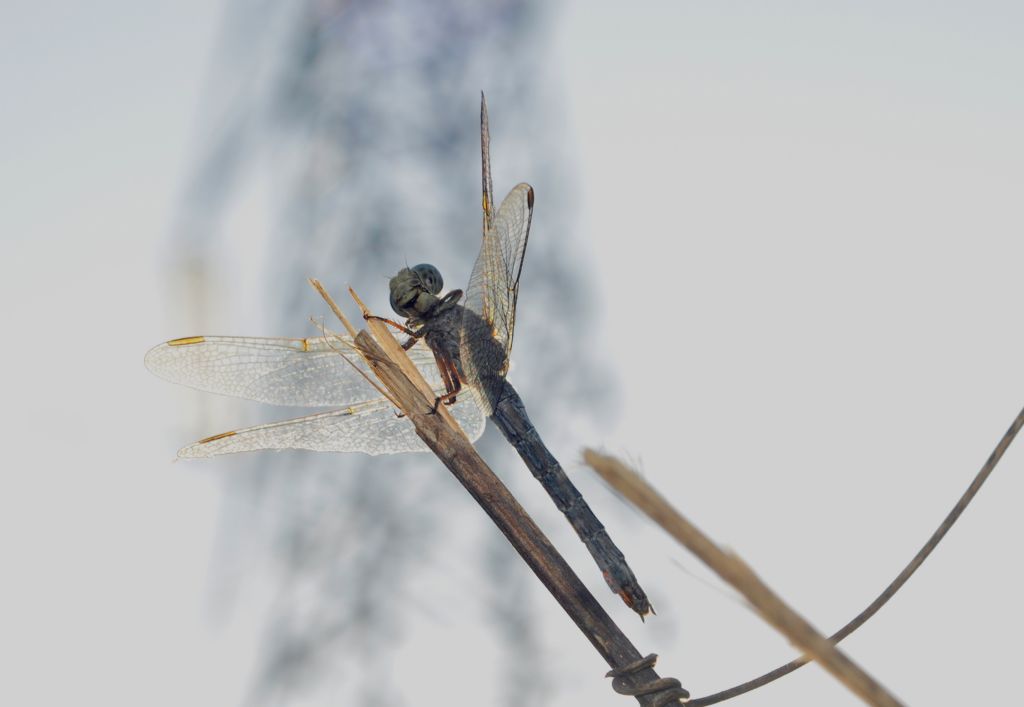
<point>430,277</point>
<point>396,305</point>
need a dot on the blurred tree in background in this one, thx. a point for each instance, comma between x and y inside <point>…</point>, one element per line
<point>362,117</point>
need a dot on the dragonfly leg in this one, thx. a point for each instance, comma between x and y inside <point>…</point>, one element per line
<point>401,327</point>
<point>450,376</point>
<point>446,399</point>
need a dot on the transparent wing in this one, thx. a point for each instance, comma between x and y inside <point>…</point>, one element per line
<point>371,427</point>
<point>309,372</point>
<point>494,283</point>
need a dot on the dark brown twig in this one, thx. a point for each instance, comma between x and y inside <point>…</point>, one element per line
<point>634,673</point>
<point>894,586</point>
<point>733,570</point>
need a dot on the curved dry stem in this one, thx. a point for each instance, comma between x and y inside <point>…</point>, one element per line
<point>893,587</point>
<point>731,568</point>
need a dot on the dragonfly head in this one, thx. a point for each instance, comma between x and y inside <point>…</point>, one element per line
<point>414,290</point>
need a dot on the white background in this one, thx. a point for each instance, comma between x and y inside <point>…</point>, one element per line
<point>805,226</point>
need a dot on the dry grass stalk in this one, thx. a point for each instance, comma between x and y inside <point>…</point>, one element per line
<point>736,572</point>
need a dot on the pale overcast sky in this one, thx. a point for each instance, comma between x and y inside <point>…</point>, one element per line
<point>805,223</point>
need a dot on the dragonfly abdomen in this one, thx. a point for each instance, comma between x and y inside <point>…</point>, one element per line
<point>509,414</point>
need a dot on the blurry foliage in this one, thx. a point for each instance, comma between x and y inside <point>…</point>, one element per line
<point>366,115</point>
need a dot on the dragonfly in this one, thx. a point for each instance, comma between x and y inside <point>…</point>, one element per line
<point>460,342</point>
